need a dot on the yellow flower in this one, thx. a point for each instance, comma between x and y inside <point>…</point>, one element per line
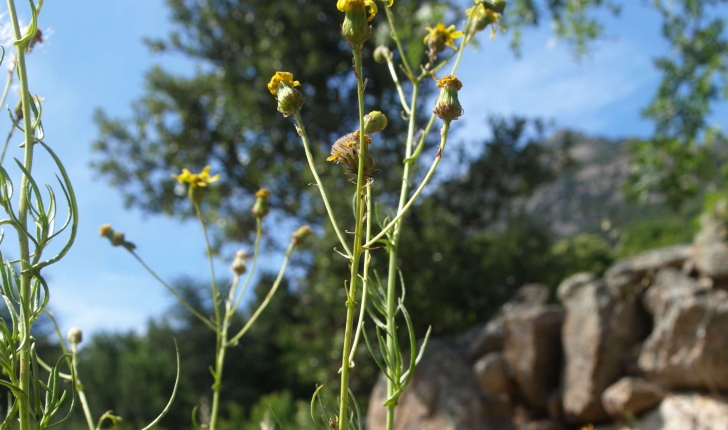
<point>483,17</point>
<point>442,36</point>
<point>281,77</point>
<point>196,179</point>
<point>347,5</point>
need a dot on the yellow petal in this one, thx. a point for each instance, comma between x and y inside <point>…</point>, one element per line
<point>457,34</point>
<point>372,9</point>
<point>341,5</point>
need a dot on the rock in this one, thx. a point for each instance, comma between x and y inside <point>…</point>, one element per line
<point>443,395</point>
<point>484,339</point>
<point>627,278</point>
<point>528,295</point>
<point>572,284</point>
<point>490,371</point>
<point>532,350</point>
<point>598,333</point>
<point>541,425</point>
<point>710,253</point>
<point>630,397</point>
<point>687,412</point>
<point>688,346</point>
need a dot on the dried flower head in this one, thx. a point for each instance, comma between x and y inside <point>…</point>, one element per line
<point>240,263</point>
<point>346,150</point>
<point>75,336</point>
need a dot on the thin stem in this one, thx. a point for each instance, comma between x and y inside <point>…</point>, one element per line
<point>208,249</point>
<point>398,85</point>
<point>402,53</point>
<point>234,340</point>
<point>319,184</point>
<point>174,292</point>
<point>354,278</point>
<point>256,252</point>
<point>220,354</point>
<point>3,98</point>
<point>25,274</point>
<point>79,390</point>
<point>365,278</point>
<point>425,181</point>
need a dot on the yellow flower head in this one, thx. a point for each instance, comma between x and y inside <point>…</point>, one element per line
<point>440,36</point>
<point>347,5</point>
<point>450,81</point>
<point>483,17</point>
<point>279,78</point>
<point>196,179</point>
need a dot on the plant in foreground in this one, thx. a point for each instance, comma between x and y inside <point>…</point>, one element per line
<point>354,150</point>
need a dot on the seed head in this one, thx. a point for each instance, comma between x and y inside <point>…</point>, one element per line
<point>346,151</point>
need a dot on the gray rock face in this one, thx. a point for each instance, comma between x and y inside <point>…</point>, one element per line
<point>532,350</point>
<point>631,397</point>
<point>710,253</point>
<point>490,371</point>
<point>629,277</point>
<point>443,395</point>
<point>598,332</point>
<point>688,346</point>
<point>687,412</point>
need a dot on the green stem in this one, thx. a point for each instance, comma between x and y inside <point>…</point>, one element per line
<point>402,53</point>
<point>357,248</point>
<point>398,85</point>
<point>174,292</point>
<point>208,248</point>
<point>3,98</point>
<point>365,279</point>
<point>256,252</point>
<point>79,390</point>
<point>25,274</point>
<point>234,340</point>
<point>425,181</point>
<point>319,184</point>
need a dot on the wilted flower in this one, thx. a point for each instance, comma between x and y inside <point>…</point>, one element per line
<point>346,150</point>
<point>484,16</point>
<point>448,106</point>
<point>382,54</point>
<point>441,36</point>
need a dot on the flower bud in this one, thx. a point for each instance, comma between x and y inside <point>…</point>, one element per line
<point>346,150</point>
<point>448,106</point>
<point>289,98</point>
<point>75,336</point>
<point>300,235</point>
<point>498,6</point>
<point>382,54</point>
<point>116,238</point>
<point>374,122</point>
<point>356,29</point>
<point>240,263</point>
<point>261,208</point>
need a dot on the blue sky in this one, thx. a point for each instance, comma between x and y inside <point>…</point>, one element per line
<point>94,57</point>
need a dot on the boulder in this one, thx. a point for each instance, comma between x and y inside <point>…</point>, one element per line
<point>710,253</point>
<point>484,339</point>
<point>687,412</point>
<point>443,395</point>
<point>598,332</point>
<point>629,277</point>
<point>532,350</point>
<point>490,371</point>
<point>629,397</point>
<point>688,346</point>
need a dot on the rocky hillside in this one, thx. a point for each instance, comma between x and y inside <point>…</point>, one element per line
<point>643,347</point>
